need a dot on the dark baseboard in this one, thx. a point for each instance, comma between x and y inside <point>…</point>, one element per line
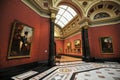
<point>7,73</point>
<point>93,59</point>
<point>88,59</point>
<point>107,59</point>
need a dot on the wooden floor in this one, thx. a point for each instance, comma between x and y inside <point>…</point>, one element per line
<point>68,59</point>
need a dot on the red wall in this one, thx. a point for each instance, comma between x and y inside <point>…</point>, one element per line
<point>15,9</point>
<point>71,39</point>
<point>109,30</point>
<point>59,46</point>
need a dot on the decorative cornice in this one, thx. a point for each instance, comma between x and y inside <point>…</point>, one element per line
<point>84,23</point>
<point>72,33</point>
<point>105,22</point>
<point>58,38</point>
<point>40,4</point>
<point>78,32</point>
<point>30,4</point>
<point>53,12</point>
<point>100,22</point>
<point>67,37</point>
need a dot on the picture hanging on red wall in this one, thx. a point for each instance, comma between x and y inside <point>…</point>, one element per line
<point>20,40</point>
<point>77,43</point>
<point>106,45</point>
<point>69,45</point>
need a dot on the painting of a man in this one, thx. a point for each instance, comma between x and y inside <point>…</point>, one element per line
<point>25,48</point>
<point>20,41</point>
<point>16,40</point>
<point>106,45</point>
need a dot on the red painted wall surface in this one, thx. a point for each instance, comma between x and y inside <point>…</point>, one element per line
<point>109,30</point>
<point>59,46</point>
<point>15,9</point>
<point>71,39</point>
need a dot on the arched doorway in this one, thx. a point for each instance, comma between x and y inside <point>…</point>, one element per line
<point>67,34</point>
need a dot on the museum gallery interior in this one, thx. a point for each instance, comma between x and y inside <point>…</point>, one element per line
<point>60,40</point>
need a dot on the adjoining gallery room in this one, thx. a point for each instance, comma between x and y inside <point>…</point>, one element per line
<point>60,40</point>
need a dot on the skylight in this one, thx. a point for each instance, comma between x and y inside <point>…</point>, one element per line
<point>64,15</point>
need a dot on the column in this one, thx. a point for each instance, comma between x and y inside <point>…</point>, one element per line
<point>85,44</point>
<point>51,60</point>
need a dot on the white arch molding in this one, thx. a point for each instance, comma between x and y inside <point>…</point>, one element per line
<point>99,1</point>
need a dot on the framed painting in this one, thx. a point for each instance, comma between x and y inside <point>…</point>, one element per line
<point>20,40</point>
<point>77,43</point>
<point>106,45</point>
<point>69,45</point>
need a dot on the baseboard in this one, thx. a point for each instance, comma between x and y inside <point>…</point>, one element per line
<point>107,59</point>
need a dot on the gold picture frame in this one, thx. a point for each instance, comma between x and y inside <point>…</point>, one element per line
<point>20,40</point>
<point>77,43</point>
<point>69,45</point>
<point>106,44</point>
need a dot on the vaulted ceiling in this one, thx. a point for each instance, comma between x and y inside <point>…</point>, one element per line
<point>64,15</point>
<point>71,15</point>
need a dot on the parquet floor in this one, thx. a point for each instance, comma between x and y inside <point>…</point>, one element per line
<point>68,59</point>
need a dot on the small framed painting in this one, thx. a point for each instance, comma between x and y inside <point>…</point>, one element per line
<point>20,40</point>
<point>106,45</point>
<point>69,45</point>
<point>77,43</point>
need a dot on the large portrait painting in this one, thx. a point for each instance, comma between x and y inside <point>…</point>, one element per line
<point>77,43</point>
<point>20,40</point>
<point>106,45</point>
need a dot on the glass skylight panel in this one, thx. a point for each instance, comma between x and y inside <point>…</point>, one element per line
<point>58,16</point>
<point>61,24</point>
<point>61,11</point>
<point>64,15</point>
<point>71,11</point>
<point>63,20</point>
<point>68,15</point>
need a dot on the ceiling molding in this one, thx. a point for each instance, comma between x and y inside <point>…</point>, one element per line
<point>103,22</point>
<point>34,7</point>
<point>78,32</point>
<point>99,22</point>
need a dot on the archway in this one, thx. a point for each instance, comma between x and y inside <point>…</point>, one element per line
<point>67,33</point>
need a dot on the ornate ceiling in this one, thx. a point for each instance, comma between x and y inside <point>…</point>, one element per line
<point>90,13</point>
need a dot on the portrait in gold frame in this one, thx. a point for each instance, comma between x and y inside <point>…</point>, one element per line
<point>20,40</point>
<point>77,43</point>
<point>69,45</point>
